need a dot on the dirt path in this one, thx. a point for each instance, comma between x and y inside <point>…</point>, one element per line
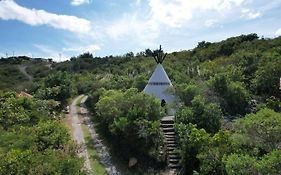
<point>22,69</point>
<point>101,149</point>
<point>78,135</point>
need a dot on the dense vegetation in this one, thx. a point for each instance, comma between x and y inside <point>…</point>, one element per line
<point>33,141</point>
<point>228,118</point>
<point>132,120</point>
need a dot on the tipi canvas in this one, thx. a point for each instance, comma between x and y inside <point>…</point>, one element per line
<point>159,84</point>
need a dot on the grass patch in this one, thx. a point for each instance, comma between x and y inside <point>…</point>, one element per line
<point>97,167</point>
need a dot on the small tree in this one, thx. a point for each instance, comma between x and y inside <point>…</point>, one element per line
<point>207,116</point>
<point>260,130</point>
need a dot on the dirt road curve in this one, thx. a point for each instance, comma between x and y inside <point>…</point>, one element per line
<point>78,135</point>
<point>22,69</point>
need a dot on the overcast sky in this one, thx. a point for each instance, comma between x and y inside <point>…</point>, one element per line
<point>49,28</point>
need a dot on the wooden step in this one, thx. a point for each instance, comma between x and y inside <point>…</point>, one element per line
<point>170,123</point>
<point>169,117</point>
<point>173,152</point>
<point>171,148</point>
<point>167,125</point>
<point>170,142</point>
<point>170,139</point>
<point>174,160</point>
<point>172,145</point>
<point>174,156</point>
<point>168,129</point>
<point>167,122</point>
<point>174,165</point>
<point>170,133</point>
<point>170,136</point>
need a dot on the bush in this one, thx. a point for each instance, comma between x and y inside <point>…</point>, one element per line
<point>132,119</point>
<point>240,165</point>
<point>207,116</point>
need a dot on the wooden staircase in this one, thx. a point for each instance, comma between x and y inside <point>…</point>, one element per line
<point>173,157</point>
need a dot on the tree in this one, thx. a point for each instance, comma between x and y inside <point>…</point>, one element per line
<point>24,111</point>
<point>191,141</point>
<point>219,83</point>
<point>86,55</point>
<point>47,162</point>
<point>273,103</point>
<point>260,131</point>
<point>207,116</point>
<point>240,165</point>
<point>255,144</point>
<point>270,163</point>
<point>212,153</point>
<point>58,86</point>
<point>266,81</point>
<point>12,113</point>
<point>247,62</point>
<point>246,165</point>
<point>133,119</point>
<point>129,54</point>
<point>234,97</point>
<point>148,53</point>
<point>52,135</point>
<point>187,92</point>
<point>32,140</point>
<point>237,98</point>
<point>203,44</point>
<point>139,83</point>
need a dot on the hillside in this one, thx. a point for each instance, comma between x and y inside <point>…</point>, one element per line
<point>20,73</point>
<point>252,63</point>
<point>228,110</point>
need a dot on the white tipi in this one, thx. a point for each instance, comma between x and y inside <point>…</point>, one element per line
<point>159,84</point>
